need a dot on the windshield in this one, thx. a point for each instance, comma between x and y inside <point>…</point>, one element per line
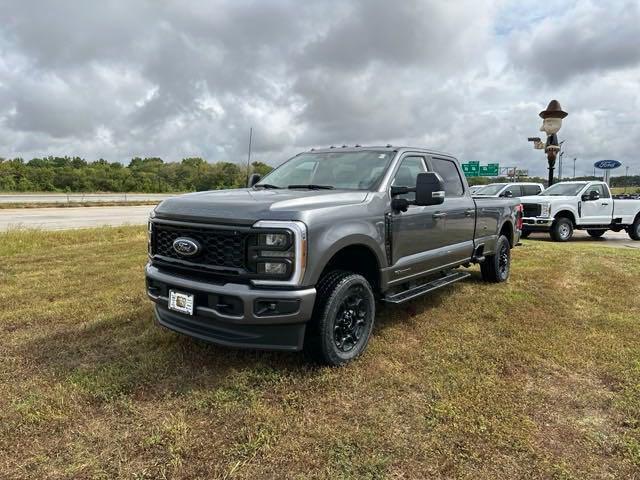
<point>564,189</point>
<point>344,170</point>
<point>492,189</point>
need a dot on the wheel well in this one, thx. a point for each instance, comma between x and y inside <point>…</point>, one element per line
<point>507,231</point>
<point>566,214</point>
<point>358,259</point>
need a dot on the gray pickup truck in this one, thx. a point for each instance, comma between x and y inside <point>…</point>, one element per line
<point>298,259</point>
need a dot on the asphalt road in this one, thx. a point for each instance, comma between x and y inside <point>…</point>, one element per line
<point>84,217</point>
<point>81,197</point>
<point>72,217</point>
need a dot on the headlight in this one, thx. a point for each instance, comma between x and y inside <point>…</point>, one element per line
<point>278,240</point>
<point>279,255</point>
<point>545,209</point>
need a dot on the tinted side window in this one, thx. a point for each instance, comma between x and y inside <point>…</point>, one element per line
<point>453,186</point>
<point>515,190</point>
<point>530,189</point>
<point>406,174</point>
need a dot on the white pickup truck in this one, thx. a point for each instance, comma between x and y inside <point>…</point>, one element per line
<point>567,206</point>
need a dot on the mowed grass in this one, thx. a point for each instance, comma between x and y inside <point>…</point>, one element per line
<point>536,378</point>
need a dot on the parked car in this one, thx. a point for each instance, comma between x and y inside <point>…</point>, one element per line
<point>298,259</point>
<point>567,206</point>
<point>517,189</point>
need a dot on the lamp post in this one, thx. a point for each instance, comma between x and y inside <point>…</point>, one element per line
<point>574,167</point>
<point>551,124</point>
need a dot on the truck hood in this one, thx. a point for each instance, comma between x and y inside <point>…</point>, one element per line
<point>247,205</point>
<point>546,199</point>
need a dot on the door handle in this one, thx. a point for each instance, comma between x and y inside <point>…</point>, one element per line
<point>469,212</point>
<point>604,204</point>
<point>439,215</point>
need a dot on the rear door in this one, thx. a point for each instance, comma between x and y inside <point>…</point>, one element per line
<point>460,211</point>
<point>531,190</point>
<point>597,212</point>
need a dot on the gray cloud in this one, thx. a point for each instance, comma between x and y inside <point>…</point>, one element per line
<point>176,79</point>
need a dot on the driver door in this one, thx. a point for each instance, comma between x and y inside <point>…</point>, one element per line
<point>597,212</point>
<point>419,232</point>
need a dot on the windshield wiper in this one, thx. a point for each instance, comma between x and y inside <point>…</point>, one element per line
<point>312,186</point>
<point>266,185</point>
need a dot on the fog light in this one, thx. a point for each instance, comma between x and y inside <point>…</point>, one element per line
<point>272,268</point>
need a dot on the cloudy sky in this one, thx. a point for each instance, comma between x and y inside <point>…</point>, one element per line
<point>117,79</point>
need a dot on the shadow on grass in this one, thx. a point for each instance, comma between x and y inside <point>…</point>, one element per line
<point>128,354</point>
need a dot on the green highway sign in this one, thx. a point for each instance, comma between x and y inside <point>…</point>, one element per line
<point>491,170</point>
<point>473,169</point>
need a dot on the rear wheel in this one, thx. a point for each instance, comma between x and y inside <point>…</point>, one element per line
<point>595,233</point>
<point>634,230</point>
<point>496,267</point>
<point>561,230</point>
<point>342,320</point>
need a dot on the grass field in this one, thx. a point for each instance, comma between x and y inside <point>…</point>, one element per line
<point>537,378</point>
<point>5,206</point>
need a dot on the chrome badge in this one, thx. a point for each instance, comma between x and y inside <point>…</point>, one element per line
<point>186,247</point>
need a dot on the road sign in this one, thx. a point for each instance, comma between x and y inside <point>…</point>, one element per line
<point>491,170</point>
<point>471,169</point>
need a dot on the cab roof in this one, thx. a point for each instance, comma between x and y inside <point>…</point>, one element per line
<point>380,148</point>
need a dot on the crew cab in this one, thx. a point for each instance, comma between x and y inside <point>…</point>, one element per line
<point>517,189</point>
<point>298,259</point>
<point>567,206</point>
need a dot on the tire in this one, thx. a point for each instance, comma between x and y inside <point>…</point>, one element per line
<point>634,230</point>
<point>561,230</point>
<point>496,268</point>
<point>525,234</point>
<point>342,320</point>
<point>595,233</point>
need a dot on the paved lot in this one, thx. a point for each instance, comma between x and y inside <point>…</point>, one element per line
<point>69,217</point>
<point>80,197</point>
<point>610,239</point>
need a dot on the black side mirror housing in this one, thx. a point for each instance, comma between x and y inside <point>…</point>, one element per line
<point>593,195</point>
<point>507,194</point>
<point>429,189</point>
<point>254,178</point>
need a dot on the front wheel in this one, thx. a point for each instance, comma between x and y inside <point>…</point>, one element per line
<point>634,230</point>
<point>342,320</point>
<point>561,230</point>
<point>595,233</point>
<point>496,267</point>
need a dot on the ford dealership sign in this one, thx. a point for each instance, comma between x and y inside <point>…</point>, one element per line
<point>607,164</point>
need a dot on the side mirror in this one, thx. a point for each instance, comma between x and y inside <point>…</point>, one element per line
<point>507,194</point>
<point>593,195</point>
<point>254,178</point>
<point>429,189</point>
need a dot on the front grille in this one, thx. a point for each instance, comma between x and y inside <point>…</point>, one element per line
<point>220,248</point>
<point>531,209</point>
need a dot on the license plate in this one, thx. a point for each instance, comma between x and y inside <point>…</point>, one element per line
<point>181,302</point>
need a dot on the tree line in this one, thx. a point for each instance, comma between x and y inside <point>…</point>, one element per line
<point>147,175</point>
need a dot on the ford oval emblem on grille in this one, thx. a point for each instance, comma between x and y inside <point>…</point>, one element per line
<point>186,247</point>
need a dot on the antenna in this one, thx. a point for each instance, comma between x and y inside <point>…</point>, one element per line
<point>249,155</point>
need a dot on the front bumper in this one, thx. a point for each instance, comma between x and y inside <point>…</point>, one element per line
<point>233,314</point>
<point>536,224</point>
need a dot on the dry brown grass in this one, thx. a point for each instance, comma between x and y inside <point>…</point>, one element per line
<point>538,378</point>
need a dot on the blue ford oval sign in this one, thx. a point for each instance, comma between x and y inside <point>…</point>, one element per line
<point>607,164</point>
<point>186,247</point>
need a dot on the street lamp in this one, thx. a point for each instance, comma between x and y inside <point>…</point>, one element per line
<point>551,124</point>
<point>574,168</point>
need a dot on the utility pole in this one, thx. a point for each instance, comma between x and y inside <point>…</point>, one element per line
<point>249,155</point>
<point>574,168</point>
<point>626,179</point>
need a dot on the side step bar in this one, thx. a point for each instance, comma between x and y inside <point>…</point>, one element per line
<point>425,288</point>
